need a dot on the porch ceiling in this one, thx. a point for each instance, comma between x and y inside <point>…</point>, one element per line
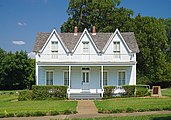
<point>86,63</point>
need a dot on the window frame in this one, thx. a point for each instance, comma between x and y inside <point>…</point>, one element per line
<point>86,49</point>
<point>52,77</point>
<point>121,80</point>
<point>104,71</point>
<point>66,71</point>
<point>116,49</point>
<point>54,51</point>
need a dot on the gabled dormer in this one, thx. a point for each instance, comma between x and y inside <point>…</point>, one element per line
<point>85,44</point>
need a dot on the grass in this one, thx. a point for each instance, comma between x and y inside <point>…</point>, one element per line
<point>166,92</point>
<point>133,104</point>
<point>9,104</point>
<point>144,117</point>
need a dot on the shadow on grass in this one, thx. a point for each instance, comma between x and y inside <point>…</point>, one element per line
<point>162,118</point>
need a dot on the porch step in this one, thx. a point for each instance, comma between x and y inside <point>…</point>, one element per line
<point>85,96</point>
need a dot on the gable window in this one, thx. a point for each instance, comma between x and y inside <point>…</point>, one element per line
<point>49,77</point>
<point>116,49</point>
<point>121,78</point>
<point>86,47</point>
<point>104,78</point>
<point>54,49</point>
<point>66,78</point>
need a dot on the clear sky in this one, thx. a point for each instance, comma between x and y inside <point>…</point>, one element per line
<point>20,20</point>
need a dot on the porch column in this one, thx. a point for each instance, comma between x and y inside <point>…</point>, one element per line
<point>37,68</point>
<point>102,78</point>
<point>69,84</point>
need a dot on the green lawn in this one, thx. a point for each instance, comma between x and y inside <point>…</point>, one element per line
<point>147,117</point>
<point>8,103</point>
<point>138,104</point>
<point>166,92</point>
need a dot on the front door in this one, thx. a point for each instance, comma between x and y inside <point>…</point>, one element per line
<point>85,79</point>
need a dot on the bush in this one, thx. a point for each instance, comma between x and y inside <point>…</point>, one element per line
<point>38,113</point>
<point>141,91</point>
<point>46,92</point>
<point>117,111</point>
<point>108,91</point>
<point>25,95</point>
<point>130,90</point>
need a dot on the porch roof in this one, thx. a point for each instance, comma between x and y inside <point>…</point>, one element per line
<point>86,63</point>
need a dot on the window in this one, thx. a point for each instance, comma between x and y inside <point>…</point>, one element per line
<point>54,49</point>
<point>116,49</point>
<point>121,78</point>
<point>104,78</point>
<point>85,47</point>
<point>66,78</point>
<point>85,76</point>
<point>49,78</point>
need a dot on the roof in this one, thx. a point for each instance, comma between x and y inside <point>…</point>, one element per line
<point>100,39</point>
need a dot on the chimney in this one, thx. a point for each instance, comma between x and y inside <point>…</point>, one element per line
<point>94,30</point>
<point>75,30</point>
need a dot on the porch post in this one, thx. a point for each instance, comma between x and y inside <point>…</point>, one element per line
<point>69,84</point>
<point>102,78</point>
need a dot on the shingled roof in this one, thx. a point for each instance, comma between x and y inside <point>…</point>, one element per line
<point>100,39</point>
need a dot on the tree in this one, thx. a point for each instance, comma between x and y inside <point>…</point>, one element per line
<point>152,40</point>
<point>16,70</point>
<point>167,23</point>
<point>103,14</point>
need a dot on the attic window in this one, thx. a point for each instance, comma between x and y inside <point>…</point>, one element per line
<point>116,49</point>
<point>85,47</point>
<point>54,49</point>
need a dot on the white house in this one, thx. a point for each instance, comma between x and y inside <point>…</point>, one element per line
<point>86,62</point>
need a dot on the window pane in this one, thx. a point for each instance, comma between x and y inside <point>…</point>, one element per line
<point>66,78</point>
<point>54,46</point>
<point>83,76</point>
<point>87,77</point>
<point>104,78</point>
<point>85,47</point>
<point>121,79</point>
<point>49,78</point>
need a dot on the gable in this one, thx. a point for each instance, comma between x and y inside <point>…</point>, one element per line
<point>85,37</point>
<point>53,37</point>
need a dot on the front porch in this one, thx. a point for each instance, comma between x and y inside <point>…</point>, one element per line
<point>86,80</point>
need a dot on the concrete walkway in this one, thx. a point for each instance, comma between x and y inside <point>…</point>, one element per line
<point>86,107</point>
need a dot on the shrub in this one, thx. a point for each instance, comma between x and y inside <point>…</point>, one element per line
<point>141,91</point>
<point>25,95</point>
<point>130,90</point>
<point>20,114</point>
<point>108,91</point>
<point>46,92</point>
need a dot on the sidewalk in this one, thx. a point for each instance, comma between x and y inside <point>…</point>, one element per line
<point>86,107</point>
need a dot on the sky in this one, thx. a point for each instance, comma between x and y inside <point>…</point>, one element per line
<point>20,20</point>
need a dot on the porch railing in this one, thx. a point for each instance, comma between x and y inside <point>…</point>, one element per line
<point>85,57</point>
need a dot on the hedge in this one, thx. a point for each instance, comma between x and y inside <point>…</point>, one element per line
<point>46,92</point>
<point>43,92</point>
<point>108,91</point>
<point>131,90</point>
<point>25,95</point>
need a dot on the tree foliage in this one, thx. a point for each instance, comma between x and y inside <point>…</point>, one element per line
<point>100,13</point>
<point>153,35</point>
<point>16,70</point>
